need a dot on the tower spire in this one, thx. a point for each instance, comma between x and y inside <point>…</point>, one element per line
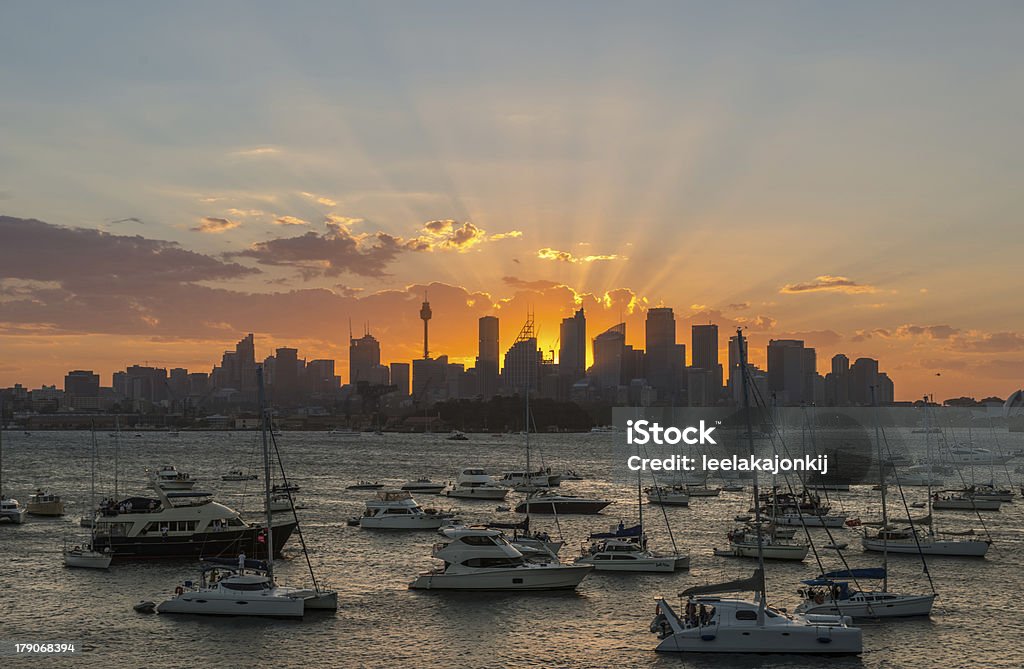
<point>425,314</point>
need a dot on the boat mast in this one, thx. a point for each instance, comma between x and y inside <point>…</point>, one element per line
<point>931,468</point>
<point>881,484</point>
<point>266,471</point>
<point>741,345</point>
<point>1,447</point>
<point>117,450</point>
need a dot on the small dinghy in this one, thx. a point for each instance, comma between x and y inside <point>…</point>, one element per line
<point>145,607</point>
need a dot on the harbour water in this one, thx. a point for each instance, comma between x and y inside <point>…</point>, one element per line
<point>382,623</point>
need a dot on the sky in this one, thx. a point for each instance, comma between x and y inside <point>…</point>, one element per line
<point>175,176</point>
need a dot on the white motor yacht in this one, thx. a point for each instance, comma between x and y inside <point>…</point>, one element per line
<point>668,495</point>
<point>475,483</point>
<point>397,510</point>
<point>832,594</point>
<point>169,478</point>
<point>549,501</point>
<point>12,511</point>
<point>424,486</point>
<point>483,559</point>
<point>44,503</point>
<point>630,554</point>
<point>989,491</point>
<point>965,454</point>
<point>542,478</point>
<point>711,624</point>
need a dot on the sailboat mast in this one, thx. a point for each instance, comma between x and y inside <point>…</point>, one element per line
<point>117,450</point>
<point>266,471</point>
<point>931,469</point>
<point>881,484</point>
<point>1,447</point>
<point>741,344</point>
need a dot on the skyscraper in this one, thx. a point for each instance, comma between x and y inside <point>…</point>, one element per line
<point>664,358</point>
<point>705,356</point>
<point>786,371</point>
<point>286,375</point>
<point>609,349</point>
<point>364,359</point>
<point>487,357</point>
<point>523,361</point>
<point>572,348</point>
<point>400,376</point>
<point>863,375</point>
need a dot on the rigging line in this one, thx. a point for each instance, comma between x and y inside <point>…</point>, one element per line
<point>960,475</point>
<point>759,399</point>
<point>664,511</point>
<point>910,518</point>
<point>291,503</point>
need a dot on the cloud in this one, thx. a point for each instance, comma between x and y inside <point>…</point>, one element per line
<point>565,256</point>
<point>930,331</point>
<point>539,284</point>
<point>331,253</point>
<point>213,225</point>
<point>257,151</point>
<point>342,221</point>
<point>449,235</point>
<point>738,306</point>
<point>247,213</point>
<point>289,220</point>
<point>994,342</point>
<point>320,199</point>
<point>828,283</point>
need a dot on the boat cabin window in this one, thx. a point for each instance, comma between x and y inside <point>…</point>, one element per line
<point>492,562</point>
<point>264,585</point>
<point>397,511</point>
<point>746,614</point>
<point>171,526</point>
<point>478,540</point>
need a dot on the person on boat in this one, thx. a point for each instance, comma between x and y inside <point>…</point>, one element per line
<point>690,613</point>
<point>703,616</point>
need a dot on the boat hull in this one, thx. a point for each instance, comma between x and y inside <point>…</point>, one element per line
<point>799,639</point>
<point>15,517</point>
<point>45,509</point>
<point>659,565</point>
<point>967,505</point>
<point>87,559</point>
<point>928,547</point>
<point>668,499</point>
<point>797,553</point>
<point>399,523</point>
<point>197,603</point>
<point>516,579</point>
<point>193,547</point>
<point>477,493</point>
<point>898,606</point>
<point>810,520</point>
<point>563,507</point>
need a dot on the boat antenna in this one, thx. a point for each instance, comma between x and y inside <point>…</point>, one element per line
<point>264,415</point>
<point>741,345</point>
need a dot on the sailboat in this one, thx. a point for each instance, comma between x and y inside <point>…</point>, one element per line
<point>914,540</point>
<point>621,551</point>
<point>78,556</point>
<point>714,624</point>
<point>10,509</point>
<point>831,593</point>
<point>248,587</point>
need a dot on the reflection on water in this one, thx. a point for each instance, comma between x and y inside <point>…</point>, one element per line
<point>382,623</point>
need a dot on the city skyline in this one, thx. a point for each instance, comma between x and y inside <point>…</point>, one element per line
<point>780,176</point>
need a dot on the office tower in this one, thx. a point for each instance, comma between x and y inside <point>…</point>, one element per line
<point>609,349</point>
<point>245,364</point>
<point>429,380</point>
<point>810,390</point>
<point>285,387</point>
<point>400,377</point>
<point>425,314</point>
<point>487,357</point>
<point>705,356</point>
<point>572,348</point>
<point>734,365</point>
<point>523,361</point>
<point>863,375</point>
<point>837,382</point>
<point>786,377</point>
<point>886,390</point>
<point>320,378</point>
<point>82,383</point>
<point>662,352</point>
<point>363,359</point>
